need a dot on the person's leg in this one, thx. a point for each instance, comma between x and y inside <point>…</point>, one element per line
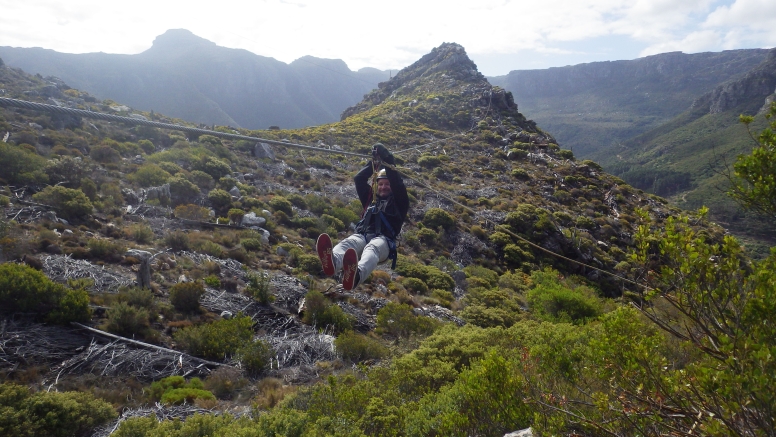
<point>355,241</point>
<point>374,253</point>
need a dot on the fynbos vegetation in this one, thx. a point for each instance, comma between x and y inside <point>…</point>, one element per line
<point>531,289</point>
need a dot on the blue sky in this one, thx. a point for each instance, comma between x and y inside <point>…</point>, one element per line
<point>499,35</point>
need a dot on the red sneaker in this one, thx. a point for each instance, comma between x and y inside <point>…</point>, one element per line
<point>349,269</point>
<point>323,246</point>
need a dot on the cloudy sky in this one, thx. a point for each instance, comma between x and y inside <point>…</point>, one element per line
<point>498,35</point>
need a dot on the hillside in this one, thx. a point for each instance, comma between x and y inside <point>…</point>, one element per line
<point>686,158</point>
<point>593,107</point>
<point>524,286</point>
<point>188,77</point>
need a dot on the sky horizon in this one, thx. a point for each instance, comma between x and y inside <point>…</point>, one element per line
<point>498,35</point>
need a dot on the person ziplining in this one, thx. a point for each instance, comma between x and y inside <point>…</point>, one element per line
<point>385,204</point>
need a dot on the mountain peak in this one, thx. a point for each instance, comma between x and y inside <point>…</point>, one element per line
<point>444,69</point>
<point>179,39</point>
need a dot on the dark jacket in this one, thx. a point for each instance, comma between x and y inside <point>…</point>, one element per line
<point>396,207</point>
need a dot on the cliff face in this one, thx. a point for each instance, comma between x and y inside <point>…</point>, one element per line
<point>754,91</point>
<point>667,71</point>
<point>591,107</point>
<point>189,77</point>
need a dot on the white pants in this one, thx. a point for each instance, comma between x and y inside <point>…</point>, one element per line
<point>369,255</point>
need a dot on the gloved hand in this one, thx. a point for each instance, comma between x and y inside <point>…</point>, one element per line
<point>384,154</point>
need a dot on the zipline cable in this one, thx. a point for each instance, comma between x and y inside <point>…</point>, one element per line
<point>6,102</point>
<point>507,231</point>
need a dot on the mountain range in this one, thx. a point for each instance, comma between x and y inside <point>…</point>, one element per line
<point>620,114</point>
<point>592,107</point>
<point>188,77</point>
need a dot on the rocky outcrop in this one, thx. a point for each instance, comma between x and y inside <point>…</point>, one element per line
<point>749,92</point>
<point>449,62</point>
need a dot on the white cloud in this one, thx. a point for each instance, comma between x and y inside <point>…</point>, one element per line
<point>389,34</point>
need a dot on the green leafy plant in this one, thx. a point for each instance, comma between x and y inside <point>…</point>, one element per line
<point>56,414</point>
<point>70,203</point>
<point>184,296</point>
<point>216,340</point>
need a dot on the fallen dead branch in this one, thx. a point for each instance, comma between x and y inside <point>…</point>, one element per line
<point>60,268</point>
<point>159,411</point>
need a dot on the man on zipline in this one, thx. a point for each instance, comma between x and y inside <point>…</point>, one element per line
<point>385,208</point>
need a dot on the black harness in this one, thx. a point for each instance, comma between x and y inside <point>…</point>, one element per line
<point>381,228</point>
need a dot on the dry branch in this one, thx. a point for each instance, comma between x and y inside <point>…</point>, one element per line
<point>60,268</point>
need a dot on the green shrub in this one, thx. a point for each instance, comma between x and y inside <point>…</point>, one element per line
<point>475,271</point>
<point>235,215</point>
<point>141,233</point>
<point>192,212</point>
<point>323,314</point>
<point>280,203</point>
<point>175,390</point>
<point>137,297</point>
<point>259,287</point>
<point>491,307</point>
<point>213,281</point>
<point>201,179</point>
<point>104,249</point>
<point>516,255</point>
<point>55,414</point>
<point>309,263</point>
<point>150,175</point>
<point>127,320</point>
<point>398,320</point>
<point>181,190</point>
<point>555,302</point>
<point>517,154</point>
<point>184,296</point>
<point>519,173</point>
<point>24,289</point>
<point>220,199</point>
<point>415,285</point>
<point>105,154</point>
<point>178,396</point>
<point>19,165</point>
<point>170,167</point>
<point>432,276</point>
<point>209,247</point>
<point>158,388</point>
<point>255,356</point>
<point>216,340</point>
<point>429,161</point>
<point>251,244</point>
<point>357,347</point>
<point>437,217</point>
<point>177,240</point>
<point>215,167</point>
<point>70,203</point>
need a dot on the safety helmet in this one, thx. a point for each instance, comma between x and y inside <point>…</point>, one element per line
<point>381,174</point>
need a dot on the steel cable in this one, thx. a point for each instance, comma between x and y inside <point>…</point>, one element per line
<point>6,102</point>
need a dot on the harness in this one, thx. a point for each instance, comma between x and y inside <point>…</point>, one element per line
<point>382,228</point>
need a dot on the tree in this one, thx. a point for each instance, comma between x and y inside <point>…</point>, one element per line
<point>754,181</point>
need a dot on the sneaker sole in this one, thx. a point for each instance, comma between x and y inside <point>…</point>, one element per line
<point>349,269</point>
<point>323,247</point>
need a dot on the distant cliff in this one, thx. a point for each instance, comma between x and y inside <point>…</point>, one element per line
<point>186,76</point>
<point>590,107</point>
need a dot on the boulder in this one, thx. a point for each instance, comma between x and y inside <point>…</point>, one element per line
<point>251,219</point>
<point>235,192</point>
<point>262,150</point>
